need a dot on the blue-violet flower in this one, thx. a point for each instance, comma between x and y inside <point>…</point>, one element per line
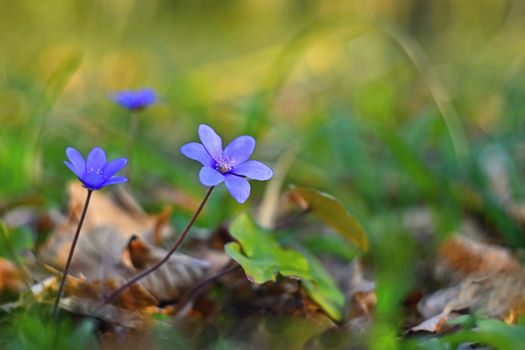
<point>230,165</point>
<point>95,172</point>
<point>135,100</point>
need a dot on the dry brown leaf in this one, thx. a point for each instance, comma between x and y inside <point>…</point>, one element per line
<point>367,301</point>
<point>83,297</point>
<point>177,274</point>
<point>436,302</point>
<point>499,295</point>
<point>43,289</point>
<point>436,324</point>
<point>106,255</point>
<point>468,256</point>
<point>118,211</point>
<point>361,296</point>
<point>135,297</point>
<point>361,300</point>
<point>11,277</point>
<point>492,284</point>
<point>105,266</point>
<point>110,313</point>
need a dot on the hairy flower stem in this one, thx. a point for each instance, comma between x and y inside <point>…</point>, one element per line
<point>132,133</point>
<point>163,260</point>
<point>70,256</point>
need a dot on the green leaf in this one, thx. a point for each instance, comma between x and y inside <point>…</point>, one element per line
<point>330,210</point>
<point>323,290</point>
<point>262,258</point>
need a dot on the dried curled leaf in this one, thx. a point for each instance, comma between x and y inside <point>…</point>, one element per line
<point>168,281</point>
<point>492,282</point>
<point>468,256</point>
<point>12,278</point>
<point>116,243</point>
<point>436,324</point>
<point>115,315</point>
<point>108,266</point>
<point>330,210</point>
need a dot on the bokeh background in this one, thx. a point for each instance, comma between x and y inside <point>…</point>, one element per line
<point>284,71</point>
<point>390,105</point>
<point>337,79</point>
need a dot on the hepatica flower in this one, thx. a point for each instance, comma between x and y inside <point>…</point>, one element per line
<point>231,165</point>
<point>95,172</point>
<point>135,100</point>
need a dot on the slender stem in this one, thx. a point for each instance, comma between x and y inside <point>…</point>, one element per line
<point>231,266</point>
<point>163,260</point>
<point>132,133</point>
<point>70,256</point>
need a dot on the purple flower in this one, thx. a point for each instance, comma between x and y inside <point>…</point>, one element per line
<point>230,165</point>
<point>95,172</point>
<point>135,100</point>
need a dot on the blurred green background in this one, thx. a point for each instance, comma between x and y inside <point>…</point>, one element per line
<point>337,77</point>
<point>353,85</point>
<point>389,105</point>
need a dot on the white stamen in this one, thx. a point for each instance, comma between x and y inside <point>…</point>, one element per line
<point>225,164</point>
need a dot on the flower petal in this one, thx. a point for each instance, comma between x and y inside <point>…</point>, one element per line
<point>96,159</point>
<point>123,98</point>
<point>146,97</point>
<point>196,151</point>
<point>210,177</point>
<point>115,166</point>
<point>238,187</point>
<point>211,141</point>
<point>93,181</point>
<point>254,169</point>
<point>77,161</point>
<point>240,149</point>
<point>135,100</point>
<point>73,169</point>
<point>116,180</point>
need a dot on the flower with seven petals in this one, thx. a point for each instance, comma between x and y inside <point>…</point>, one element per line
<point>231,165</point>
<point>95,172</point>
